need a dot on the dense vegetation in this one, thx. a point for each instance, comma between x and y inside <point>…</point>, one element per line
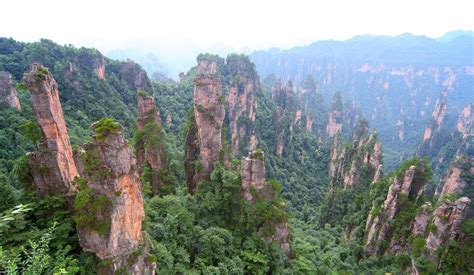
<point>213,231</point>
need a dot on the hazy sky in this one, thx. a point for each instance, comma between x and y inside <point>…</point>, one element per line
<point>172,27</point>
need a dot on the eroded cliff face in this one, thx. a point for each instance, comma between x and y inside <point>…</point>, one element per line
<point>464,123</point>
<point>8,92</point>
<point>349,165</point>
<point>252,172</point>
<point>255,187</point>
<point>150,148</point>
<point>286,112</point>
<point>378,226</point>
<point>439,114</point>
<point>454,182</point>
<point>209,112</point>
<point>241,98</point>
<point>52,166</point>
<point>335,116</point>
<point>99,67</point>
<point>447,220</point>
<point>109,206</point>
<point>135,77</point>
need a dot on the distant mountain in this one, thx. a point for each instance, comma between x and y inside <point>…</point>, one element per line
<point>149,61</point>
<point>395,80</point>
<point>452,35</point>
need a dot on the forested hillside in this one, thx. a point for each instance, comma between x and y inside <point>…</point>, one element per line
<point>103,170</point>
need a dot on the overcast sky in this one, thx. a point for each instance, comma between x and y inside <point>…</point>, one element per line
<point>171,27</point>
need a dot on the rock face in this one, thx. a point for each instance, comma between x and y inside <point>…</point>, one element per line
<point>284,98</point>
<point>254,186</point>
<point>454,182</point>
<point>135,77</point>
<point>378,223</point>
<point>252,172</point>
<point>447,219</point>
<point>421,220</point>
<point>8,92</point>
<point>438,118</point>
<point>464,123</point>
<point>109,206</point>
<point>150,148</point>
<point>241,100</point>
<point>99,68</point>
<point>53,166</point>
<point>336,116</point>
<point>346,165</point>
<point>283,95</point>
<point>209,112</point>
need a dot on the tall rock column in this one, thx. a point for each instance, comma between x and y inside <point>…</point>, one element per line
<point>150,147</point>
<point>400,191</point>
<point>465,121</point>
<point>361,161</point>
<point>242,103</point>
<point>207,120</point>
<point>447,221</point>
<point>255,187</point>
<point>8,92</point>
<point>109,206</point>
<point>336,116</point>
<point>438,118</point>
<point>53,167</point>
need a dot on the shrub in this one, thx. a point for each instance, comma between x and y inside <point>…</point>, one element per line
<point>105,127</point>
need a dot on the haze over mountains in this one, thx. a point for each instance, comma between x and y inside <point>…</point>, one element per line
<point>347,157</point>
<point>177,59</point>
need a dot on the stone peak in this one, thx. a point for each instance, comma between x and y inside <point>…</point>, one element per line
<point>206,66</point>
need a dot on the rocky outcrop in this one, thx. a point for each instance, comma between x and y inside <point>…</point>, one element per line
<point>255,187</point>
<point>283,95</point>
<point>52,166</point>
<point>8,92</point>
<point>135,77</point>
<point>349,165</point>
<point>241,98</point>
<point>252,173</point>
<point>99,67</point>
<point>421,220</point>
<point>437,121</point>
<point>208,118</point>
<point>465,122</point>
<point>149,147</point>
<point>109,206</point>
<point>286,113</point>
<point>378,226</point>
<point>455,183</point>
<point>447,221</point>
<point>335,116</point>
